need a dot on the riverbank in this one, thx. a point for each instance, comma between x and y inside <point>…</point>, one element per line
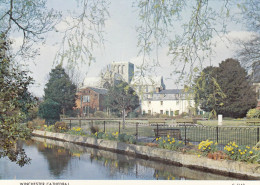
<point>223,167</point>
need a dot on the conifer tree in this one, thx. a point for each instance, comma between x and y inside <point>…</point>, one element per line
<point>60,89</point>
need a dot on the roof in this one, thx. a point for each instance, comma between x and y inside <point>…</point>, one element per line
<point>171,91</point>
<point>99,90</point>
<point>169,94</point>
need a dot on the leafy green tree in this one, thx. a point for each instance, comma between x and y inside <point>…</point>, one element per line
<point>60,89</point>
<point>240,96</point>
<point>207,91</point>
<point>225,90</point>
<point>122,97</point>
<point>14,84</point>
<point>49,110</point>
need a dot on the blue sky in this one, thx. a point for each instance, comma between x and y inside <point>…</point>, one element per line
<point>120,45</point>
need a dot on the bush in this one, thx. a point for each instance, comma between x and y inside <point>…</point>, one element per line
<point>77,131</point>
<point>169,143</point>
<point>253,113</point>
<point>242,153</point>
<point>121,137</point>
<point>32,113</point>
<point>207,147</point>
<point>60,126</point>
<point>94,129</point>
<point>36,124</point>
<point>100,114</point>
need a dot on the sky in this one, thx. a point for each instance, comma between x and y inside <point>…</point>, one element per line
<point>120,45</point>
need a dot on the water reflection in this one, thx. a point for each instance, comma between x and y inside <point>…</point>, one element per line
<point>61,160</point>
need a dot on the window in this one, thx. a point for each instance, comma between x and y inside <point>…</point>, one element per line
<point>86,99</point>
<point>167,113</point>
<point>122,69</point>
<point>143,111</point>
<point>161,111</point>
<point>149,112</point>
<point>171,113</point>
<point>259,93</point>
<point>161,102</point>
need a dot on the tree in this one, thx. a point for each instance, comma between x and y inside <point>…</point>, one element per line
<point>49,110</point>
<point>207,91</point>
<point>240,96</point>
<point>122,97</point>
<point>60,89</point>
<point>225,90</point>
<point>14,84</point>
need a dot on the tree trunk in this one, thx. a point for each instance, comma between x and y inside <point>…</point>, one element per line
<point>123,118</point>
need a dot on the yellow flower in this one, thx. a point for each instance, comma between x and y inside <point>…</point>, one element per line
<point>168,136</point>
<point>156,139</point>
<point>163,141</point>
<point>239,150</point>
<point>169,140</point>
<point>198,155</point>
<point>251,152</point>
<point>232,152</point>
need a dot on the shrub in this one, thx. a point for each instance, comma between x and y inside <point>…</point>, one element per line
<point>169,143</point>
<point>77,131</point>
<point>242,153</point>
<point>49,128</point>
<point>207,147</point>
<point>36,124</point>
<point>94,129</point>
<point>60,126</point>
<point>253,113</point>
<point>100,114</point>
<point>121,137</point>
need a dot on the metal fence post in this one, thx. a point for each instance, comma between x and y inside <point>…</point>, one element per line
<point>79,122</point>
<point>70,124</point>
<point>157,130</point>
<point>258,134</point>
<point>185,134</point>
<point>217,133</point>
<point>104,126</point>
<point>136,131</point>
<point>119,128</point>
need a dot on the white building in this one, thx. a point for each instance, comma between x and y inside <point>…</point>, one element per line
<point>143,85</point>
<point>170,102</point>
